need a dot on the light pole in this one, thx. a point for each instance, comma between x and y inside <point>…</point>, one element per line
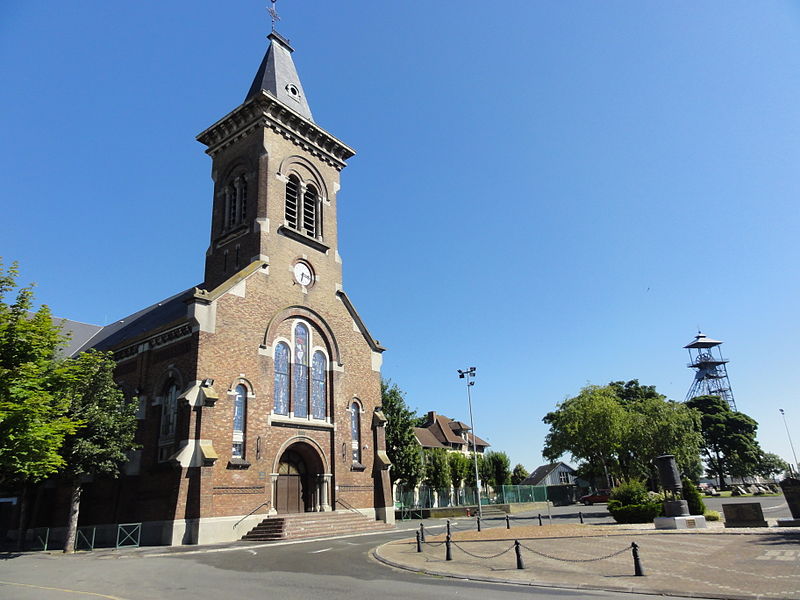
<point>469,375</point>
<point>789,435</point>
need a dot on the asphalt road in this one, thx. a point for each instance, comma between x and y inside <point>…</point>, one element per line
<point>329,569</point>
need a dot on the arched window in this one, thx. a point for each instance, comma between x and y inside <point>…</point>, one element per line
<point>281,402</point>
<point>310,210</point>
<point>355,431</point>
<point>241,196</point>
<point>239,421</point>
<point>300,366</point>
<point>235,202</point>
<point>292,208</point>
<point>169,418</point>
<point>318,380</point>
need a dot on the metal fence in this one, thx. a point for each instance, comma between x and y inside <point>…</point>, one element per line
<point>428,497</point>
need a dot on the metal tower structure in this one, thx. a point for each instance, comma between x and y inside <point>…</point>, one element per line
<point>711,376</point>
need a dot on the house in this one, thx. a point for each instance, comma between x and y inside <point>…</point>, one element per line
<point>454,436</point>
<point>552,474</point>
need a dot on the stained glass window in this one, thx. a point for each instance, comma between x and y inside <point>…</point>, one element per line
<point>318,404</point>
<point>355,431</point>
<point>169,410</point>
<point>300,379</point>
<point>281,402</point>
<point>239,410</point>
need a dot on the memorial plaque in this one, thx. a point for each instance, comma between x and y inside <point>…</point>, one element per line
<point>691,524</point>
<point>744,514</point>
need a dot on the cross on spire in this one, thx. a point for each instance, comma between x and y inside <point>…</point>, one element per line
<point>273,13</point>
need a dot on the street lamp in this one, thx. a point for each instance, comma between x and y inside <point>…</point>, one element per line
<point>469,375</point>
<point>796,466</point>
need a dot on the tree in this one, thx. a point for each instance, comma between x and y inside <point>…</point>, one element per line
<point>499,468</point>
<point>460,466</point>
<point>401,443</point>
<point>769,465</point>
<point>102,445</point>
<point>519,474</point>
<point>33,415</point>
<point>437,468</point>
<point>729,438</point>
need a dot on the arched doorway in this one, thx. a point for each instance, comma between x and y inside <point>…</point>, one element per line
<point>301,484</point>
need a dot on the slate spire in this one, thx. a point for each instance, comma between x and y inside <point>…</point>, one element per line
<point>277,76</point>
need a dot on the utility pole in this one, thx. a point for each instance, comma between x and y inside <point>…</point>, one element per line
<point>469,375</point>
<point>796,466</point>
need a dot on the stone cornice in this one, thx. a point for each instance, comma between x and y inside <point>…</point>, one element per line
<point>264,110</point>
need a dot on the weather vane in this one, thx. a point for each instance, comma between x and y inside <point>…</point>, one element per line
<point>273,12</point>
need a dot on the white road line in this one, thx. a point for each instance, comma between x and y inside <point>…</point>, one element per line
<point>774,507</point>
<point>253,552</point>
<point>318,551</point>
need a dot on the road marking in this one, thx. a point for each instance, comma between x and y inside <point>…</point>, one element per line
<point>253,552</point>
<point>55,589</point>
<point>774,507</point>
<point>318,551</point>
<point>787,555</point>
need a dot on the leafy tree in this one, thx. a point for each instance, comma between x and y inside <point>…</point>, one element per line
<point>460,466</point>
<point>769,465</point>
<point>33,415</point>
<point>729,438</point>
<point>484,471</point>
<point>102,445</point>
<point>401,443</point>
<point>437,468</point>
<point>499,468</point>
<point>693,498</point>
<point>519,474</point>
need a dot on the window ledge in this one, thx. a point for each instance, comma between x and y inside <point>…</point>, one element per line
<point>299,422</point>
<point>303,239</point>
<point>238,463</point>
<point>357,466</point>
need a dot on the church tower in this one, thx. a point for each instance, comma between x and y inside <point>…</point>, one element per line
<point>276,175</point>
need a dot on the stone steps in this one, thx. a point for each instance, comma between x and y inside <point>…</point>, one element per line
<point>311,525</point>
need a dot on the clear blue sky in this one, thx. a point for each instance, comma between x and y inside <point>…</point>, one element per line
<point>555,192</point>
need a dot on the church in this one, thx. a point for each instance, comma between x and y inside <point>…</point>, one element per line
<point>258,390</point>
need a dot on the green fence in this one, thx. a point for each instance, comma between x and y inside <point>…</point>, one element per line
<point>428,497</point>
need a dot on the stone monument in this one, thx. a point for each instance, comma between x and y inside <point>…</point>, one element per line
<point>676,508</point>
<point>791,492</point>
<point>743,514</point>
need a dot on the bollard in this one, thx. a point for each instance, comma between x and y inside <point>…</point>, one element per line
<point>448,526</point>
<point>637,564</point>
<point>580,515</point>
<point>448,555</point>
<point>422,531</point>
<point>508,523</point>
<point>479,522</point>
<point>540,519</point>
<point>520,564</point>
<point>419,542</point>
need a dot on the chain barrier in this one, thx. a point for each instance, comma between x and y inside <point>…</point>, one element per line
<point>478,555</point>
<point>576,560</point>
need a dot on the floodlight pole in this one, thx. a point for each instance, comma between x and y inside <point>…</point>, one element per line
<point>796,466</point>
<point>469,375</point>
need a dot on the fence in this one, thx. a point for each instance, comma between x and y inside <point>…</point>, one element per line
<point>428,497</point>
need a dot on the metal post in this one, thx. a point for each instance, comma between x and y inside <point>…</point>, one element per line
<point>508,523</point>
<point>540,519</point>
<point>448,526</point>
<point>468,374</point>
<point>448,553</point>
<point>478,519</point>
<point>580,516</point>
<point>796,466</point>
<point>637,563</point>
<point>520,564</point>
<point>419,542</point>
<point>422,531</point>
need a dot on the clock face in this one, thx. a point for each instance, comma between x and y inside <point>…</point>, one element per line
<point>303,274</point>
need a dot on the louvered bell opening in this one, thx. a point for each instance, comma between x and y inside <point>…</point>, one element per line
<point>310,211</point>
<point>292,187</point>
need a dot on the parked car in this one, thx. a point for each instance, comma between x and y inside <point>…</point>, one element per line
<point>598,496</point>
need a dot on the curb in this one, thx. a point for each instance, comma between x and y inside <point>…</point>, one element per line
<point>563,586</point>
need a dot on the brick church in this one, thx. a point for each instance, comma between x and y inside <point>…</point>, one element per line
<point>259,389</point>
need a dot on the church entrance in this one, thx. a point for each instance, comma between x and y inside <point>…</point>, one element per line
<point>300,485</point>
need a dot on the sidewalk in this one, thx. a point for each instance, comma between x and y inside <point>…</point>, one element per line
<point>710,563</point>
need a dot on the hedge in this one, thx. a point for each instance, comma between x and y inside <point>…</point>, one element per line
<point>634,513</point>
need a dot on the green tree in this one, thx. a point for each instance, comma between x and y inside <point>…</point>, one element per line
<point>401,443</point>
<point>729,438</point>
<point>770,465</point>
<point>437,468</point>
<point>499,468</point>
<point>460,467</point>
<point>100,448</point>
<point>693,498</point>
<point>519,474</point>
<point>33,415</point>
<point>484,471</point>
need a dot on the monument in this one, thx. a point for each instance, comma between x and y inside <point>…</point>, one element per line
<point>791,492</point>
<point>676,508</point>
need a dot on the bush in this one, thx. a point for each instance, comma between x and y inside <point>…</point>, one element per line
<point>692,497</point>
<point>712,515</point>
<point>630,493</point>
<point>634,513</point>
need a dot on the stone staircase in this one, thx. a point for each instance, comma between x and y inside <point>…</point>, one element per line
<point>492,510</point>
<point>313,525</point>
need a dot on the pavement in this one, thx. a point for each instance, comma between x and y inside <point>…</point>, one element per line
<point>705,563</point>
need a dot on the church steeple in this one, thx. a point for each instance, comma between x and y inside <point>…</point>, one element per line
<point>277,76</point>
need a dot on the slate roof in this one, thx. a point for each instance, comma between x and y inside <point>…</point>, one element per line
<point>540,473</point>
<point>278,77</point>
<point>79,334</point>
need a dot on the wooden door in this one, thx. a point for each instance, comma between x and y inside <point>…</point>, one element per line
<point>289,494</point>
